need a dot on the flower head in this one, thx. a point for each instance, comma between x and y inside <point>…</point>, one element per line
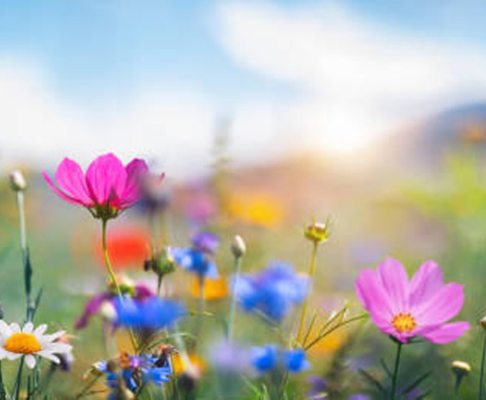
<point>151,314</point>
<point>106,300</point>
<point>29,342</point>
<point>419,307</point>
<point>131,372</point>
<point>107,187</point>
<point>198,259</point>
<point>271,292</point>
<point>317,232</point>
<point>269,357</point>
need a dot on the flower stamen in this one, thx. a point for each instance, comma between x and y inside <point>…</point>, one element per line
<point>404,323</point>
<point>22,343</point>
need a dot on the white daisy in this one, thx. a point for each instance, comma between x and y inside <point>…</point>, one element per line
<point>16,342</point>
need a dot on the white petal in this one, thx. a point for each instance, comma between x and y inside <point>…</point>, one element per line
<point>40,330</point>
<point>14,327</point>
<point>28,327</point>
<point>54,336</point>
<point>58,347</point>
<point>13,356</point>
<point>5,329</point>
<point>49,356</point>
<point>30,361</point>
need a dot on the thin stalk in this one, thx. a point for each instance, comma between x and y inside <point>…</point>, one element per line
<point>312,271</point>
<point>113,276</point>
<point>395,371</point>
<point>201,306</point>
<point>481,376</point>
<point>3,393</point>
<point>18,381</point>
<point>232,314</point>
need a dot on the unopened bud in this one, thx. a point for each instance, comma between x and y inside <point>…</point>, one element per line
<point>461,367</point>
<point>317,232</point>
<point>108,311</point>
<point>238,247</point>
<point>17,181</point>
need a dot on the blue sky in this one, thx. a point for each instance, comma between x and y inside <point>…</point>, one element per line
<point>109,66</point>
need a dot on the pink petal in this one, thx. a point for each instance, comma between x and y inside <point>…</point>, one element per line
<point>106,179</point>
<point>446,333</point>
<point>373,298</point>
<point>426,282</point>
<point>136,169</point>
<point>70,178</point>
<point>395,282</point>
<point>441,307</point>
<point>59,192</point>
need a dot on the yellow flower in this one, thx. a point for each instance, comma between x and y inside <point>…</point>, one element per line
<point>329,344</point>
<point>179,365</point>
<point>214,289</point>
<point>257,208</point>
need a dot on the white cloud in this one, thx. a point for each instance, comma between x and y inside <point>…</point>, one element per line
<point>361,80</point>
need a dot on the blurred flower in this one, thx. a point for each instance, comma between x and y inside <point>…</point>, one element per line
<point>359,397</point>
<point>201,208</point>
<point>161,263</point>
<point>194,364</point>
<point>317,389</point>
<point>329,344</point>
<point>127,246</point>
<point>198,259</point>
<point>264,358</point>
<point>406,309</point>
<point>229,357</point>
<point>269,357</point>
<point>105,190</point>
<point>30,342</point>
<point>67,358</point>
<point>295,361</point>
<point>213,289</point>
<point>105,301</point>
<point>154,196</point>
<point>272,291</point>
<point>17,181</point>
<point>152,314</point>
<point>131,372</point>
<point>257,208</point>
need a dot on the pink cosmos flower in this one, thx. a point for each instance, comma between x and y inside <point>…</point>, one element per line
<point>107,188</point>
<point>419,307</point>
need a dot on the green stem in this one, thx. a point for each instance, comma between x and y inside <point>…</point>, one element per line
<point>232,315</point>
<point>3,393</point>
<point>113,276</point>
<point>395,371</point>
<point>201,304</point>
<point>18,381</point>
<point>107,259</point>
<point>481,376</point>
<point>306,301</point>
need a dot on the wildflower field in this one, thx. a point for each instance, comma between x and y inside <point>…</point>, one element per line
<point>242,200</point>
<point>117,284</point>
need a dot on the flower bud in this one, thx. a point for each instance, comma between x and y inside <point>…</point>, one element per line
<point>482,322</point>
<point>17,181</point>
<point>238,247</point>
<point>460,367</point>
<point>317,232</point>
<point>108,311</point>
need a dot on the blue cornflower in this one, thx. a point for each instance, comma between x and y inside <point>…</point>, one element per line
<point>151,314</point>
<point>295,360</point>
<point>264,358</point>
<point>198,259</point>
<point>273,291</point>
<point>269,357</point>
<point>131,372</point>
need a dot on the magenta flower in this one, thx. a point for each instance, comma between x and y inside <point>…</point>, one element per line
<point>420,307</point>
<point>107,188</point>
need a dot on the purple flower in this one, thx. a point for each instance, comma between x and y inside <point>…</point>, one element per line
<point>419,307</point>
<point>138,292</point>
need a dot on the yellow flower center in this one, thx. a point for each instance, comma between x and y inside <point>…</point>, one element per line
<point>23,343</point>
<point>404,322</point>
